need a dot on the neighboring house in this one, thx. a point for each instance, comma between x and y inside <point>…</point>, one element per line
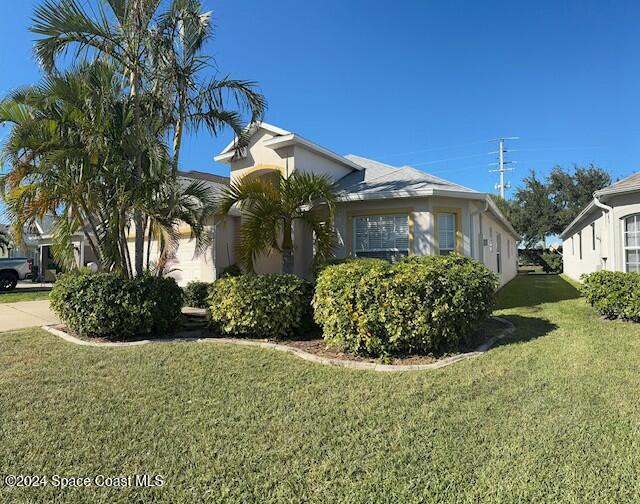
<point>606,234</point>
<point>383,211</point>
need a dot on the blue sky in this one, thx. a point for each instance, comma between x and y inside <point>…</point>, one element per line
<point>422,82</point>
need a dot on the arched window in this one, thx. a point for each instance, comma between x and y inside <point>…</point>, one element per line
<point>632,243</point>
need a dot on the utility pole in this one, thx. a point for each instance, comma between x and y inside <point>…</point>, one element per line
<point>501,186</point>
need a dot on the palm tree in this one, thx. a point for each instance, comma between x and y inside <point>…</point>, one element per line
<point>157,52</point>
<point>270,208</point>
<point>70,152</point>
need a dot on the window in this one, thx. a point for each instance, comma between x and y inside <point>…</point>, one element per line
<point>381,236</point>
<point>446,233</point>
<point>580,244</point>
<point>593,236</point>
<point>509,249</point>
<point>632,243</point>
<point>499,252</point>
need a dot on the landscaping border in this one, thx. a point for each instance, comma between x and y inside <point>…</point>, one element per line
<point>193,337</point>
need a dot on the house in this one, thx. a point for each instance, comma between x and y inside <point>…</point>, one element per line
<point>383,211</point>
<point>606,234</point>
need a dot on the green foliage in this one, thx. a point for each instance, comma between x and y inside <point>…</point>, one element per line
<point>551,262</point>
<point>271,206</point>
<point>613,294</point>
<point>420,304</point>
<point>106,305</point>
<point>260,306</point>
<point>195,294</point>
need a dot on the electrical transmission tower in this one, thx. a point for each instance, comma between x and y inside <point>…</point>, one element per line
<point>502,169</point>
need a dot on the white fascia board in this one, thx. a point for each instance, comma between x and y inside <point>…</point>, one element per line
<point>578,218</point>
<point>223,156</point>
<point>418,193</point>
<point>293,139</point>
<point>505,222</point>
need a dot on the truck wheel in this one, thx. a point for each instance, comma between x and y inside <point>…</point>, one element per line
<point>8,280</point>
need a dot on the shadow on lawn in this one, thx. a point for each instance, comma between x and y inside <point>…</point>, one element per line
<point>533,290</point>
<point>527,329</point>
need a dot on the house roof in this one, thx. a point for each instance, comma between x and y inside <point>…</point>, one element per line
<point>626,185</point>
<point>283,138</point>
<point>207,177</point>
<point>378,180</point>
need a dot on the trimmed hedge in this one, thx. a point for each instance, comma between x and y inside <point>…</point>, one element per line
<point>106,305</point>
<point>613,294</point>
<point>260,306</point>
<point>195,294</point>
<point>420,304</point>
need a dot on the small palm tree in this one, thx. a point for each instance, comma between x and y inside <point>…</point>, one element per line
<point>270,208</point>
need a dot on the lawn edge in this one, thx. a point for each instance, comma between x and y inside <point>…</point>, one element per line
<point>191,337</point>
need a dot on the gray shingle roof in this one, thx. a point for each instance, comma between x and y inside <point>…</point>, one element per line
<point>383,178</point>
<point>207,177</point>
<point>630,183</point>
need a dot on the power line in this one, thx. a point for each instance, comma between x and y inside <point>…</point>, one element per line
<point>431,149</point>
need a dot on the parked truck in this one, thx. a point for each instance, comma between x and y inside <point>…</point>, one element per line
<point>12,270</point>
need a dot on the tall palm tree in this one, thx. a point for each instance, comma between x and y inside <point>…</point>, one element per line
<point>270,208</point>
<point>70,151</point>
<point>158,52</point>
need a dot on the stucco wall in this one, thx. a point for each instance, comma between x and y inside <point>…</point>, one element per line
<point>310,162</point>
<point>606,227</point>
<point>423,210</point>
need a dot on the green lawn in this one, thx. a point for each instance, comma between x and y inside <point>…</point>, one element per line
<point>18,295</point>
<point>551,415</point>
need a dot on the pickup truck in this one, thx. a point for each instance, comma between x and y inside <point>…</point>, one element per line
<point>12,270</point>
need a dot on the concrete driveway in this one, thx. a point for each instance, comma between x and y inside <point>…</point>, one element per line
<point>26,314</point>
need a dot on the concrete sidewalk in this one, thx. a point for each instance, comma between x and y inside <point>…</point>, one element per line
<point>25,314</point>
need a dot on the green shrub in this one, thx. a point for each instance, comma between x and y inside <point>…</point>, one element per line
<point>260,306</point>
<point>551,262</point>
<point>195,294</point>
<point>613,294</point>
<point>420,304</point>
<point>108,306</point>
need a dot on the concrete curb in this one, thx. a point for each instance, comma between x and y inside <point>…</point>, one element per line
<point>192,337</point>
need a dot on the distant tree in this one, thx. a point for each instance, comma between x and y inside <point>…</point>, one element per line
<point>536,212</point>
<point>5,241</point>
<point>509,209</point>
<point>571,192</point>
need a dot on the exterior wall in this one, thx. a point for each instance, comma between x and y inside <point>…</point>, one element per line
<point>606,226</point>
<point>310,162</point>
<point>594,253</point>
<point>473,220</point>
<point>259,155</point>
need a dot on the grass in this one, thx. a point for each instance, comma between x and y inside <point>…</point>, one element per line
<point>19,295</point>
<point>551,415</point>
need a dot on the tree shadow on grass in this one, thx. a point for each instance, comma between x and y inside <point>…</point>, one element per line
<point>533,290</point>
<point>526,329</point>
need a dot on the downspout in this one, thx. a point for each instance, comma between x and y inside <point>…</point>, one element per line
<point>472,233</point>
<point>609,210</point>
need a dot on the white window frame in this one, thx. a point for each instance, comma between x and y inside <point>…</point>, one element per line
<point>396,249</point>
<point>625,247</point>
<point>448,250</point>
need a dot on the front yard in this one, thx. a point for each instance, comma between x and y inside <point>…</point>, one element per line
<point>551,415</point>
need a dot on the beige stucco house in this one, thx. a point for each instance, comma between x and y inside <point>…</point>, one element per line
<point>383,211</point>
<point>606,234</point>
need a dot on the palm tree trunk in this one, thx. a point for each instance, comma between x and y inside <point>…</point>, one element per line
<point>177,135</point>
<point>287,247</point>
<point>149,246</point>
<point>138,218</point>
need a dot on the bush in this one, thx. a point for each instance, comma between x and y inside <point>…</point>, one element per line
<point>613,294</point>
<point>551,262</point>
<point>108,306</point>
<point>260,306</point>
<point>195,294</point>
<point>420,304</point>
